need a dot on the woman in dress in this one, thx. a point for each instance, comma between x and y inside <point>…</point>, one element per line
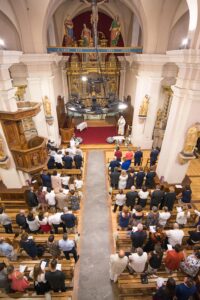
<point>143,195</point>
<point>137,216</point>
<point>74,200</point>
<point>122,180</point>
<point>40,284</point>
<point>191,264</point>
<point>124,218</point>
<point>118,154</point>
<point>41,199</point>
<point>43,221</point>
<point>71,183</point>
<point>19,283</point>
<point>131,179</point>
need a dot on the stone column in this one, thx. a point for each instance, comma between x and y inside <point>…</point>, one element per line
<point>45,79</point>
<point>122,78</point>
<point>10,177</point>
<point>184,113</point>
<point>148,82</point>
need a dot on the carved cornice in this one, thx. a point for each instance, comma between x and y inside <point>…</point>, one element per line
<point>23,111</point>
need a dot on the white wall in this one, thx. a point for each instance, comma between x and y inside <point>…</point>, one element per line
<point>9,33</point>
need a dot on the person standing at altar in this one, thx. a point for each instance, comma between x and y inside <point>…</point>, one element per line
<point>121,125</point>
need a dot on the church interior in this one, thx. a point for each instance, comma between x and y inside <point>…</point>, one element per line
<point>100,149</point>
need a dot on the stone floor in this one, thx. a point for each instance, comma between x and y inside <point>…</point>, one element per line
<point>94,282</point>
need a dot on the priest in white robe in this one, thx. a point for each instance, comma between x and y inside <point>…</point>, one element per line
<point>118,263</point>
<point>121,125</point>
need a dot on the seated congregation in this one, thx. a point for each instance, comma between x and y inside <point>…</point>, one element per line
<point>39,247</point>
<point>156,230</point>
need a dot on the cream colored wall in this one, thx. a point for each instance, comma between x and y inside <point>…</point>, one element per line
<point>179,32</point>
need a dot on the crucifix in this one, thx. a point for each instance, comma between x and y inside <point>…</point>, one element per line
<point>94,16</point>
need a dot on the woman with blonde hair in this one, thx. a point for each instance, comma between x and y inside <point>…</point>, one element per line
<point>122,180</point>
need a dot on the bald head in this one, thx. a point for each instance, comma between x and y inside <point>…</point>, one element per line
<point>22,212</point>
<point>139,251</point>
<point>139,227</point>
<point>176,226</point>
<point>121,253</point>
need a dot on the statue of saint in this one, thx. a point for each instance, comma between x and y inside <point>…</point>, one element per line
<point>121,125</point>
<point>190,140</point>
<point>115,30</point>
<point>144,106</point>
<point>47,106</point>
<point>3,156</point>
<point>69,31</point>
<point>86,35</point>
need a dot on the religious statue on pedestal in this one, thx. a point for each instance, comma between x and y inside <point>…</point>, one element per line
<point>47,110</point>
<point>86,35</point>
<point>121,125</point>
<point>69,31</point>
<point>115,31</point>
<point>190,141</point>
<point>144,107</point>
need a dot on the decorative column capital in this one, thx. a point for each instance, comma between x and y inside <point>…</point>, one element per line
<point>9,57</point>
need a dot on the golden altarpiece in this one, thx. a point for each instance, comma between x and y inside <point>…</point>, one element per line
<point>88,77</point>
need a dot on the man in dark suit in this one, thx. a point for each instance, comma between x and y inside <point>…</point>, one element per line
<point>154,156</point>
<point>46,179</point>
<point>113,164</point>
<point>131,197</point>
<point>157,197</point>
<point>194,236</point>
<point>114,178</point>
<point>138,157</point>
<point>67,161</point>
<point>138,237</point>
<point>140,178</point>
<point>150,179</point>
<point>32,198</point>
<point>78,161</point>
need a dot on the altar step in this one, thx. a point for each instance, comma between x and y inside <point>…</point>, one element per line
<point>109,121</point>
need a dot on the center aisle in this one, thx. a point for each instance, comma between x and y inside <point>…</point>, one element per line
<point>94,282</point>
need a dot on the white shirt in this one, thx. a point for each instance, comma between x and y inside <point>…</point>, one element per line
<point>43,222</point>
<point>175,236</point>
<point>66,245</point>
<point>58,158</point>
<point>78,183</point>
<point>65,180</point>
<point>143,195</point>
<point>51,198</point>
<point>33,225</point>
<point>40,278</point>
<point>120,199</point>
<point>181,217</point>
<point>138,262</point>
<point>55,218</point>
<point>163,217</point>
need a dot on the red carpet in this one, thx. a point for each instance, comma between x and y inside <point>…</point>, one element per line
<point>96,135</point>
